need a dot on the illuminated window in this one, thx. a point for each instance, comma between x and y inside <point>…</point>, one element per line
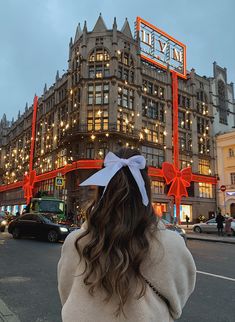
<point>185,161</point>
<point>61,159</point>
<point>204,166</point>
<point>98,66</point>
<point>97,120</point>
<point>205,190</point>
<point>158,187</point>
<point>125,122</point>
<point>153,133</point>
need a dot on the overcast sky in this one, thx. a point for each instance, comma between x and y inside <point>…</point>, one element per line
<point>34,37</point>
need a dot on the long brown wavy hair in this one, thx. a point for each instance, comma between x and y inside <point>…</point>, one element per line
<point>116,242</point>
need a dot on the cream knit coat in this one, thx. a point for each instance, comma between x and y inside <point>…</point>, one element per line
<point>169,267</point>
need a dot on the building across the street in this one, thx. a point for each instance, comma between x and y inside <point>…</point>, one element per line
<point>110,98</point>
<point>226,170</point>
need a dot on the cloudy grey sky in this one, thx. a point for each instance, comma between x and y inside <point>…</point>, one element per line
<point>34,37</point>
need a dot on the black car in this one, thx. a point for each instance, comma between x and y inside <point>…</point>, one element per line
<point>46,226</point>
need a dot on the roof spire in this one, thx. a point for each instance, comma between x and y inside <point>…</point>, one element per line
<point>126,30</point>
<point>78,32</point>
<point>85,27</point>
<point>57,76</point>
<point>100,25</point>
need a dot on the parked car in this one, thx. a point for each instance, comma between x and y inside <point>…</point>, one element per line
<point>3,221</point>
<point>47,226</point>
<point>210,226</point>
<point>176,228</point>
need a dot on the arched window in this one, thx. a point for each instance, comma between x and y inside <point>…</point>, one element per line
<point>222,102</point>
<point>98,66</point>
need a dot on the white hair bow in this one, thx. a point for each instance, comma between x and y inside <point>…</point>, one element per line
<point>112,165</point>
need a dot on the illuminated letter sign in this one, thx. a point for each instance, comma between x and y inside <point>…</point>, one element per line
<point>160,49</point>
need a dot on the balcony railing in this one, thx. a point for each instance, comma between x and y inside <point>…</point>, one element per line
<point>112,128</point>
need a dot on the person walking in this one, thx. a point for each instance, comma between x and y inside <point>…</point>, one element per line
<point>220,224</point>
<point>227,228</point>
<point>123,264</point>
<point>187,220</point>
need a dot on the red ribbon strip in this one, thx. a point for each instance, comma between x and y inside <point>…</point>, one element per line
<point>28,184</point>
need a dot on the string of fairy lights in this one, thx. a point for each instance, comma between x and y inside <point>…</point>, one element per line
<point>50,151</point>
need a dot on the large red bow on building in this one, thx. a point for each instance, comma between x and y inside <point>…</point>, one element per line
<point>179,180</point>
<point>28,184</point>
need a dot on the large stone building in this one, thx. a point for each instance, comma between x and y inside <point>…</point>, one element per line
<point>110,98</point>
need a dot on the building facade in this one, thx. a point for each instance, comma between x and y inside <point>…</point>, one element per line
<point>226,171</point>
<point>110,98</point>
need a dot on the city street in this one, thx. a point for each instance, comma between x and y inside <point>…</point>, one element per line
<point>28,284</point>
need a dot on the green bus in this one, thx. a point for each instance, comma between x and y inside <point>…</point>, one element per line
<point>48,205</point>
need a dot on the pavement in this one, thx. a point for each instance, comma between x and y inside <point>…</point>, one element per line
<point>207,237</point>
<point>6,315</point>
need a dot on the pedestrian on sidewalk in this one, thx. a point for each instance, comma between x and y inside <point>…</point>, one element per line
<point>123,264</point>
<point>220,224</point>
<point>187,220</point>
<point>227,228</point>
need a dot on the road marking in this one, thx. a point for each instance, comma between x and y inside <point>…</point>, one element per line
<point>14,279</point>
<point>219,276</point>
<point>6,315</point>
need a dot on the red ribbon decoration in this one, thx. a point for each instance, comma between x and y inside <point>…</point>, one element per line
<point>28,184</point>
<point>179,180</point>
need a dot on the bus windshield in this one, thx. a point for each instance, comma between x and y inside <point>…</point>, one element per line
<point>53,206</point>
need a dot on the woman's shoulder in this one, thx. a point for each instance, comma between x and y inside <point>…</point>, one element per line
<point>72,237</point>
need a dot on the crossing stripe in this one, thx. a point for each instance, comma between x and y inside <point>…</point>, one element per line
<point>219,276</point>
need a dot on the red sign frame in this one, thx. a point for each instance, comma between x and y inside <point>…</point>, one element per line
<point>162,36</point>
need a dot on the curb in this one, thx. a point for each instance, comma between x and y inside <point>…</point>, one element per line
<point>6,315</point>
<point>211,240</point>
